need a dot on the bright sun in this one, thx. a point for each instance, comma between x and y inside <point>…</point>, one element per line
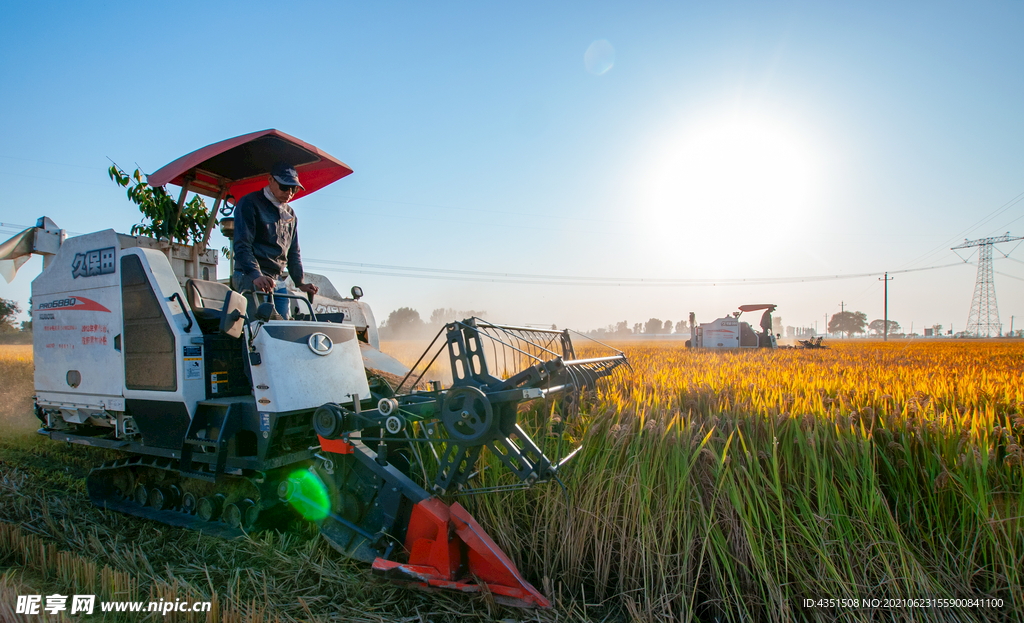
<point>744,173</point>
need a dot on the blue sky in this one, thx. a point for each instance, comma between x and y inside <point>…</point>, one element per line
<point>725,141</point>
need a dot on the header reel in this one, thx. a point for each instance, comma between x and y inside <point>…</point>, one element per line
<point>479,409</point>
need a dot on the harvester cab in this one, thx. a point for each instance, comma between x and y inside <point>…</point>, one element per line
<point>731,332</point>
<point>231,421</point>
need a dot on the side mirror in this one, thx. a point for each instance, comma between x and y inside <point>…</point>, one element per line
<point>265,312</point>
<point>232,316</point>
<point>357,292</point>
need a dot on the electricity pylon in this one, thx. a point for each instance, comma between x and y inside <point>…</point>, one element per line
<point>983,321</point>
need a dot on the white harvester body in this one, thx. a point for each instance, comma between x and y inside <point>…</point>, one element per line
<point>88,360</point>
<point>307,364</point>
<point>720,333</point>
<point>111,327</point>
<point>731,332</point>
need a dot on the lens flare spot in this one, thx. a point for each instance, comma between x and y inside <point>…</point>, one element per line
<point>599,58</point>
<point>308,495</point>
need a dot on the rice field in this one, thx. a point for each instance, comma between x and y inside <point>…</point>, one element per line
<point>734,486</point>
<point>711,487</point>
<point>15,385</point>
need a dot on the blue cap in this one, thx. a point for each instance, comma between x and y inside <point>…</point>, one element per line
<point>285,175</point>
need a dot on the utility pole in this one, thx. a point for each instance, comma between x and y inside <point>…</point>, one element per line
<point>886,279</point>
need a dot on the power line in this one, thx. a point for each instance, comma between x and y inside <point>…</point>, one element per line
<point>60,164</point>
<point>413,272</point>
<point>941,247</point>
<point>20,228</point>
<point>477,210</point>
<point>1009,275</point>
<point>444,274</point>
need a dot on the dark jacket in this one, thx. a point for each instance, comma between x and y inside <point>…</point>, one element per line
<point>266,239</point>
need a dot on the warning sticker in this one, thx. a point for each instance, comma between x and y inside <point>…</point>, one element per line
<point>193,369</point>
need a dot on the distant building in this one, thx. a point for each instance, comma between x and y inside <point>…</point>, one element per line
<point>800,333</point>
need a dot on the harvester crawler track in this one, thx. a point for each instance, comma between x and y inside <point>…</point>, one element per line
<point>154,488</point>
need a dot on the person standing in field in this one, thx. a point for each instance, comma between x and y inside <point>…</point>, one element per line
<point>266,240</point>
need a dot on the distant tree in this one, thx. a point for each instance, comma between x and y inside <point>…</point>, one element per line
<point>653,326</point>
<point>26,326</point>
<point>622,328</point>
<point>404,322</point>
<point>877,327</point>
<point>444,315</point>
<point>667,328</point>
<point>681,326</point>
<point>848,322</point>
<point>8,310</point>
<point>638,328</point>
<point>441,316</point>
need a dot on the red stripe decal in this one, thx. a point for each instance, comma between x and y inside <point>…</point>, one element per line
<point>72,302</point>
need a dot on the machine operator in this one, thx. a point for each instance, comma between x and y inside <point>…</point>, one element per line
<point>266,240</point>
<point>766,328</point>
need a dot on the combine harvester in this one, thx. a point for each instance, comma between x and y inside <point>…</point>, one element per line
<point>230,423</point>
<point>731,332</point>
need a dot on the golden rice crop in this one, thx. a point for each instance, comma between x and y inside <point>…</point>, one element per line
<point>16,387</point>
<point>735,485</point>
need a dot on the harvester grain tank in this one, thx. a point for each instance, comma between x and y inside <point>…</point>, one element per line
<point>232,422</point>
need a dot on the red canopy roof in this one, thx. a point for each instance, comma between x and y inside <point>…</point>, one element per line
<point>749,308</point>
<point>242,164</point>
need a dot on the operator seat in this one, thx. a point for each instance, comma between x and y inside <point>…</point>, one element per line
<point>206,298</point>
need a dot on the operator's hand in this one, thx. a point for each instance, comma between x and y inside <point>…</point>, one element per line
<point>309,288</point>
<point>263,283</point>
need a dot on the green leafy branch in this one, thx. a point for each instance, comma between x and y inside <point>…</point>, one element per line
<point>159,210</point>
